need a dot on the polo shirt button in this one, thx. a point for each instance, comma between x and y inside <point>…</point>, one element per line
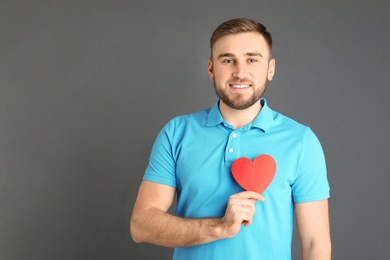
<point>231,150</point>
<point>234,135</point>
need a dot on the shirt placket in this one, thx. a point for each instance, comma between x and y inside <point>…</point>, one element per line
<point>232,150</point>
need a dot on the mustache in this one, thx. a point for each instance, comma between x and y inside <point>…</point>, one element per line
<point>238,80</point>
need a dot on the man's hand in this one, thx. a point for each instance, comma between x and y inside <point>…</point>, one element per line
<point>151,223</point>
<point>240,210</point>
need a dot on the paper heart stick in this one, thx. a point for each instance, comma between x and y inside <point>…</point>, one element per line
<point>256,175</point>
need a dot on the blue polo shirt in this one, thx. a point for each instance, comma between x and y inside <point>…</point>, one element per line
<point>194,153</point>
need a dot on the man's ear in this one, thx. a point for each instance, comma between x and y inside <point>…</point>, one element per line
<point>271,69</point>
<point>210,70</point>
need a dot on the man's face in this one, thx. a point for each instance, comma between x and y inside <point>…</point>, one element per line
<point>240,68</point>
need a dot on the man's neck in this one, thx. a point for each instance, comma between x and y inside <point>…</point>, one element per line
<point>239,118</point>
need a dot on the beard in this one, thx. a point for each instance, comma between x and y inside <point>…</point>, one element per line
<point>237,101</point>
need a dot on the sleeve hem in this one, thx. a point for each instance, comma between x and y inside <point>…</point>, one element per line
<point>160,180</point>
<point>311,198</point>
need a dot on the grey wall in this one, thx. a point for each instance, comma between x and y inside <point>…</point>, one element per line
<point>85,86</point>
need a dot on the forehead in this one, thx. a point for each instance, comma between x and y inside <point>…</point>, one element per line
<point>240,44</point>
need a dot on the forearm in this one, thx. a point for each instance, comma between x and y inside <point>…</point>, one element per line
<point>160,228</point>
<point>317,251</point>
<point>151,223</point>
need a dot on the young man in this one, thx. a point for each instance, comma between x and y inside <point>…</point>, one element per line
<point>193,154</point>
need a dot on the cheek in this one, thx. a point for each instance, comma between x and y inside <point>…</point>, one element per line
<point>221,75</point>
<point>261,74</point>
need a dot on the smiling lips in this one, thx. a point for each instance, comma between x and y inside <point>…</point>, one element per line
<point>240,86</point>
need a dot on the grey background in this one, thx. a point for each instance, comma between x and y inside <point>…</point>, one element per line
<point>85,86</point>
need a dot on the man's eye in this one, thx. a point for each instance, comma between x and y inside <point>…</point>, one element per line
<point>252,60</point>
<point>227,61</point>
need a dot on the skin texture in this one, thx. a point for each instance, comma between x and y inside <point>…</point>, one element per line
<point>240,68</point>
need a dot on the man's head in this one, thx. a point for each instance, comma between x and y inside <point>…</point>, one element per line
<point>240,25</point>
<point>240,64</point>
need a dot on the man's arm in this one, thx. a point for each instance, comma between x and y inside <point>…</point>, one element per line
<point>151,223</point>
<point>313,227</point>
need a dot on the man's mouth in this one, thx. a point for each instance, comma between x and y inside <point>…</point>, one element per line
<point>240,86</point>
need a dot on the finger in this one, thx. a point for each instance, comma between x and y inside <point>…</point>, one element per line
<point>244,211</point>
<point>239,204</point>
<point>250,195</point>
<point>247,219</point>
<point>250,203</point>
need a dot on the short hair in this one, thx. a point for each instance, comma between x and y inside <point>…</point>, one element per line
<point>240,25</point>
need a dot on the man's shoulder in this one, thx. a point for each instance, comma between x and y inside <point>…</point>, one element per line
<point>284,121</point>
<point>195,118</point>
<point>272,120</point>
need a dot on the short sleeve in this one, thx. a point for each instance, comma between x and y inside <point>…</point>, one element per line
<point>311,183</point>
<point>161,167</point>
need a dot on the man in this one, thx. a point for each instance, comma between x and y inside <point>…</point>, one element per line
<point>192,156</point>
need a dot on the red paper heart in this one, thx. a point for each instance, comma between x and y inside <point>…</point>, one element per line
<point>256,175</point>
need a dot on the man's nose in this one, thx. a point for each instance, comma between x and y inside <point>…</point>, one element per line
<point>240,70</point>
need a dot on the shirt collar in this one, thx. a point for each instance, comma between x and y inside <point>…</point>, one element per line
<point>265,118</point>
<point>262,121</point>
<point>214,117</point>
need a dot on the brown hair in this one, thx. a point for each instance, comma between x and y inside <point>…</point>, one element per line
<point>240,25</point>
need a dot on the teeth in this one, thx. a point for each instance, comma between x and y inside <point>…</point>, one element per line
<point>240,86</point>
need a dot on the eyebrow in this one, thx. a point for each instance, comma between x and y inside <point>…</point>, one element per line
<point>248,54</point>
